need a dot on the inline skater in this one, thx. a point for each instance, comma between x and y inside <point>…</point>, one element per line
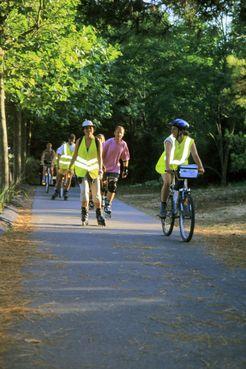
<point>87,161</point>
<point>65,154</point>
<point>114,150</point>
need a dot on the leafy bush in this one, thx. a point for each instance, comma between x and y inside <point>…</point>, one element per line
<point>32,171</point>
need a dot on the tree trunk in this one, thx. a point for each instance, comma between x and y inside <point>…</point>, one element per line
<point>17,146</point>
<point>23,146</point>
<point>3,131</point>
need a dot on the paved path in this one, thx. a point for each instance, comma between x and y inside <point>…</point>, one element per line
<point>124,297</point>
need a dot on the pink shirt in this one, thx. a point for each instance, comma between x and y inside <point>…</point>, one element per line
<point>113,152</point>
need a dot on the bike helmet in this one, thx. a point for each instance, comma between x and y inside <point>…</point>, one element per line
<point>179,123</point>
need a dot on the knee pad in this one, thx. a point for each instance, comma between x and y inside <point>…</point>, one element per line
<point>112,185</point>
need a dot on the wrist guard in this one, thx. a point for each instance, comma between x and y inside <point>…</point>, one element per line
<point>125,171</point>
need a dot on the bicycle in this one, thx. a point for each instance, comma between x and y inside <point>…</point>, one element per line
<point>180,203</point>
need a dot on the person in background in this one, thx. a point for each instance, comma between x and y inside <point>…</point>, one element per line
<point>177,149</point>
<point>65,154</point>
<point>115,149</point>
<point>48,160</point>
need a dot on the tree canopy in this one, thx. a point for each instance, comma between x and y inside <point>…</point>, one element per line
<point>135,63</point>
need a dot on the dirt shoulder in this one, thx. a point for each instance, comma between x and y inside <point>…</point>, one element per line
<point>15,248</point>
<point>220,216</point>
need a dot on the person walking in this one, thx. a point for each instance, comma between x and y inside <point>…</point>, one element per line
<point>177,149</point>
<point>115,149</point>
<point>87,161</point>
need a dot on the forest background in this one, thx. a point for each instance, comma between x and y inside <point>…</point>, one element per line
<point>134,63</point>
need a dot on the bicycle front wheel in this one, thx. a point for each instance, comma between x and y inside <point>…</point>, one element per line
<point>168,222</point>
<point>186,218</point>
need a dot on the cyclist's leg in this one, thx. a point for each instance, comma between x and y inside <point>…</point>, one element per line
<point>51,173</point>
<point>167,180</point>
<point>43,175</point>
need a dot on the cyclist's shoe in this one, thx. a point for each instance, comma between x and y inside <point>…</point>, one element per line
<point>100,218</point>
<point>107,210</point>
<point>65,194</point>
<point>84,216</point>
<point>91,205</point>
<point>163,210</point>
<point>55,194</point>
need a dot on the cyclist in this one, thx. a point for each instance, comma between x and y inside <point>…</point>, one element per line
<point>65,154</point>
<point>177,149</point>
<point>114,150</point>
<point>87,161</point>
<point>48,159</point>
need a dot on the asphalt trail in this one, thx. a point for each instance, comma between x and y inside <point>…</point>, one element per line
<point>124,296</point>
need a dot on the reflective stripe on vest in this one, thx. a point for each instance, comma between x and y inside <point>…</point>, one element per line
<point>66,157</point>
<point>86,160</point>
<point>177,150</point>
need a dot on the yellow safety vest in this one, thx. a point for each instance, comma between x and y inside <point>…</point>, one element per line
<point>66,157</point>
<point>180,153</point>
<point>87,160</point>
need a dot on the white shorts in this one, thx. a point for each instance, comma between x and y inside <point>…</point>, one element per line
<point>95,186</point>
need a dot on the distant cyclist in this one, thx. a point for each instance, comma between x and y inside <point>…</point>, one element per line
<point>48,159</point>
<point>177,149</point>
<point>87,161</point>
<point>115,149</point>
<point>65,154</point>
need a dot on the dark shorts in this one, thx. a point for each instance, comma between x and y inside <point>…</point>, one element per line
<point>108,175</point>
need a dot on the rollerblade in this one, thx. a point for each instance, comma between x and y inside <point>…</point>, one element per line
<point>55,194</point>
<point>84,216</point>
<point>65,194</point>
<point>100,218</point>
<point>107,210</point>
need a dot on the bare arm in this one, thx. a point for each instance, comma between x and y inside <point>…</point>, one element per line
<point>99,154</point>
<point>75,154</point>
<point>196,158</point>
<point>168,148</point>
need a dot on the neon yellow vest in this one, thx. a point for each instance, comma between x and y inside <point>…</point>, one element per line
<point>180,153</point>
<point>87,160</point>
<point>66,157</point>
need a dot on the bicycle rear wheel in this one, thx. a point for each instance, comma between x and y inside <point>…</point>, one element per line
<point>168,222</point>
<point>186,218</point>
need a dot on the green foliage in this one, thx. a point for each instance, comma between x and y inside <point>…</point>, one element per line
<point>8,194</point>
<point>32,175</point>
<point>238,157</point>
<point>134,63</point>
